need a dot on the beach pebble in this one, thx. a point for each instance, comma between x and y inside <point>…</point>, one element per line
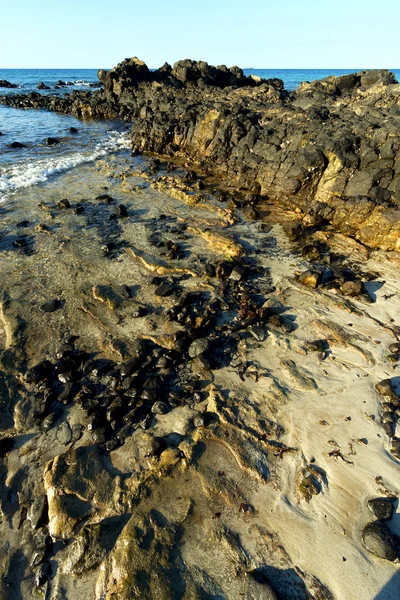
<point>164,290</point>
<point>237,274</point>
<point>258,332</point>
<point>378,540</point>
<point>352,288</point>
<point>64,433</point>
<point>65,203</point>
<point>20,242</point>
<point>159,408</point>
<point>50,306</point>
<point>198,347</point>
<point>381,508</point>
<point>385,389</point>
<point>309,278</point>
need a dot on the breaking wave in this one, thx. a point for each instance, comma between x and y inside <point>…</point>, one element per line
<point>31,172</point>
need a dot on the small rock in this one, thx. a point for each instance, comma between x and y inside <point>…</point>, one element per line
<point>42,228</point>
<point>164,290</point>
<point>352,288</point>
<point>309,278</point>
<point>23,224</point>
<point>385,389</point>
<point>394,348</point>
<point>125,291</point>
<point>198,347</point>
<point>199,421</point>
<point>258,332</point>
<point>378,540</point>
<point>65,203</point>
<point>159,408</point>
<point>77,431</point>
<point>99,435</point>
<point>17,145</point>
<point>381,508</point>
<point>49,421</point>
<point>237,274</point>
<point>64,433</point>
<point>51,141</point>
<point>73,130</point>
<point>50,306</point>
<point>20,242</point>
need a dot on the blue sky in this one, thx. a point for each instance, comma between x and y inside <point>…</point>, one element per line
<point>252,33</point>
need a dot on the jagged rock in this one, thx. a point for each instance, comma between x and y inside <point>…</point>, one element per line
<point>6,84</point>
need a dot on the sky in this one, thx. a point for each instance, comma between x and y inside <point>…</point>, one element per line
<point>270,34</point>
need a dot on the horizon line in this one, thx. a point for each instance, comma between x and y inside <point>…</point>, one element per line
<point>243,68</point>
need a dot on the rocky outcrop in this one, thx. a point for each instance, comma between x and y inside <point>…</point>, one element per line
<point>6,84</point>
<point>330,149</point>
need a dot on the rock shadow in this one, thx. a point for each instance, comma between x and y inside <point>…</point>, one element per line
<point>391,590</point>
<point>286,583</point>
<point>372,287</point>
<point>11,585</point>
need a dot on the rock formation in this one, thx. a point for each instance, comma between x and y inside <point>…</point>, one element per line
<point>329,149</point>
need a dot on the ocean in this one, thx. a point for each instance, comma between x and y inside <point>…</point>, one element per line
<point>38,162</point>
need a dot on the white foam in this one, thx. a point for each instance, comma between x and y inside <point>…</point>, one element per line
<point>25,174</point>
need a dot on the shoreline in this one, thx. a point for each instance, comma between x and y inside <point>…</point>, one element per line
<point>317,150</point>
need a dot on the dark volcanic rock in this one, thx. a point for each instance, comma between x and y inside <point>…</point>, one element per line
<point>199,347</point>
<point>381,508</point>
<point>378,540</point>
<point>50,306</point>
<point>50,141</point>
<point>6,84</point>
<point>17,145</point>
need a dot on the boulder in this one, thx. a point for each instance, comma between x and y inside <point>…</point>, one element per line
<point>378,540</point>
